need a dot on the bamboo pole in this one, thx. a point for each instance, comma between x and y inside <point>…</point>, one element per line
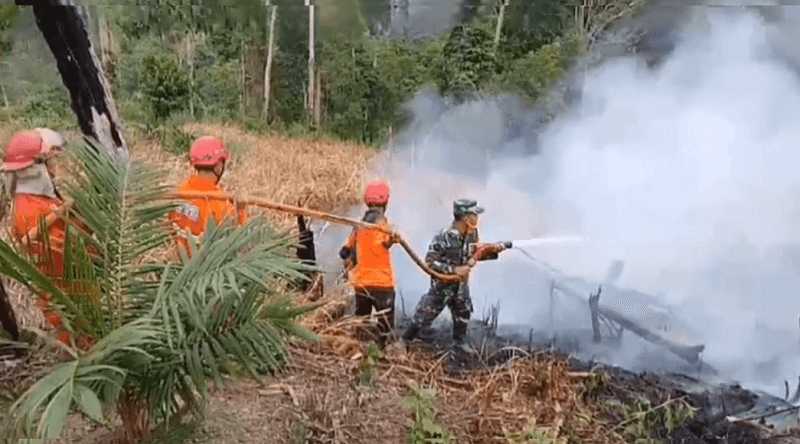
<point>260,203</point>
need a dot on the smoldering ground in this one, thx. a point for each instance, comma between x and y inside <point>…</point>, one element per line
<point>689,172</point>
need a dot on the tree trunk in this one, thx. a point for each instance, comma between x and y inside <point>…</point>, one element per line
<point>318,100</point>
<point>311,62</point>
<point>499,25</point>
<point>3,91</point>
<point>7,317</point>
<point>107,50</point>
<point>268,69</point>
<point>244,86</point>
<point>82,74</point>
<point>190,62</point>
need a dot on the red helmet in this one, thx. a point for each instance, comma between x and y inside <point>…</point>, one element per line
<point>23,150</point>
<point>207,151</point>
<point>377,194</point>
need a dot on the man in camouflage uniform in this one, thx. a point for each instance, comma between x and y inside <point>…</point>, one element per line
<point>449,253</point>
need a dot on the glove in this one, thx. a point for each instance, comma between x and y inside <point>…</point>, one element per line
<point>462,272</point>
<point>241,197</point>
<point>394,236</point>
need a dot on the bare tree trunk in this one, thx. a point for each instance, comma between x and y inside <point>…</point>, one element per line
<point>5,98</point>
<point>318,100</point>
<point>268,69</point>
<point>244,91</point>
<point>311,62</point>
<point>82,74</point>
<point>499,25</point>
<point>190,37</point>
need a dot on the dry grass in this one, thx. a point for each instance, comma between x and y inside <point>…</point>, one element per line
<point>317,175</point>
<point>321,175</point>
<point>478,407</point>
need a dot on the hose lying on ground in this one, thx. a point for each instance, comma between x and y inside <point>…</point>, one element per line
<point>261,203</point>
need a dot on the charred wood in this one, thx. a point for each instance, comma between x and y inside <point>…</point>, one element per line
<point>7,317</point>
<point>593,300</point>
<point>81,72</point>
<point>307,255</point>
<point>688,353</point>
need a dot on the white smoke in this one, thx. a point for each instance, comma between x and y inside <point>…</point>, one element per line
<point>690,173</point>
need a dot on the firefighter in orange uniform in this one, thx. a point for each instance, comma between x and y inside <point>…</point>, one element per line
<point>208,156</point>
<point>368,260</point>
<point>28,170</point>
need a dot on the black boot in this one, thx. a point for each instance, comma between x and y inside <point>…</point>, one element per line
<point>459,337</point>
<point>411,333</point>
<point>459,331</point>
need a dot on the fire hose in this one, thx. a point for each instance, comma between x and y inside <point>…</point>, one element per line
<point>261,203</point>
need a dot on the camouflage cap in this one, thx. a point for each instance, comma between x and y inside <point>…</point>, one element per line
<point>462,207</point>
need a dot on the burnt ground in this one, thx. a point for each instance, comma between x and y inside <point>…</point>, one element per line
<point>321,400</point>
<point>726,414</point>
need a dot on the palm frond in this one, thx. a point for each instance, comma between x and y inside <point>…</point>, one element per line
<point>20,267</point>
<point>124,207</point>
<point>85,383</point>
<point>165,331</point>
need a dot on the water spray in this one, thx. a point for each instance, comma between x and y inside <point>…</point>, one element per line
<point>552,240</point>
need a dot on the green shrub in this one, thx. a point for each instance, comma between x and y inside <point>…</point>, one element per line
<point>467,62</point>
<point>164,85</point>
<point>424,427</point>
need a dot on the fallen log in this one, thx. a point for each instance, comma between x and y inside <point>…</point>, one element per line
<point>689,353</point>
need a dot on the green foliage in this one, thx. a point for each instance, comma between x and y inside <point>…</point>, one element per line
<point>534,435</point>
<point>164,85</point>
<point>366,80</point>
<point>41,105</point>
<point>425,429</point>
<point>639,418</point>
<point>8,17</point>
<point>369,366</point>
<point>467,62</point>
<point>529,25</point>
<point>174,139</point>
<point>597,380</point>
<point>301,431</point>
<point>361,99</point>
<point>165,330</point>
<point>217,89</point>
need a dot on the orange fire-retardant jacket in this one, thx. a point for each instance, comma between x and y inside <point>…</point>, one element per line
<point>49,257</point>
<point>28,209</point>
<point>372,264</point>
<point>194,213</point>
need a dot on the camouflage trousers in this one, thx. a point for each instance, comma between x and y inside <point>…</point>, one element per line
<point>455,297</point>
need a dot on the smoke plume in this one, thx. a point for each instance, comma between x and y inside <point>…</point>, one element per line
<point>689,172</point>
